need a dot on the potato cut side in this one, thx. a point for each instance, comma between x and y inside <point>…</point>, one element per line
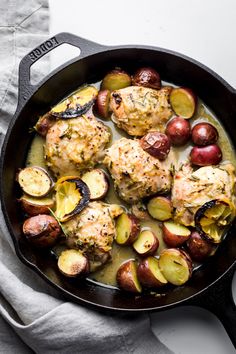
<point>146,243</point>
<point>149,273</point>
<point>183,102</point>
<point>127,228</point>
<point>73,263</point>
<point>34,206</point>
<point>35,181</point>
<point>177,229</point>
<point>127,277</point>
<point>97,183</point>
<point>160,208</point>
<point>175,266</point>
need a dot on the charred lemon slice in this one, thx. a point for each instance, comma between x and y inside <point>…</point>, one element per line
<point>213,218</point>
<point>72,195</point>
<point>76,104</point>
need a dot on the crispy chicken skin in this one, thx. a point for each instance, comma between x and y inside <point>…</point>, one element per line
<point>140,109</point>
<point>93,231</point>
<point>193,189</point>
<point>75,145</point>
<point>136,174</point>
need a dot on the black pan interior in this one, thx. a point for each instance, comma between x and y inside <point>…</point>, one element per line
<point>173,68</point>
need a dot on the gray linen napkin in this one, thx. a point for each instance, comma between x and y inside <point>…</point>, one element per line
<point>33,317</point>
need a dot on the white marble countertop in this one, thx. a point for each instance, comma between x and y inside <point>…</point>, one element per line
<point>203,30</point>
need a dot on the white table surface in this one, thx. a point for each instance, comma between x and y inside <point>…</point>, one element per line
<point>204,30</point>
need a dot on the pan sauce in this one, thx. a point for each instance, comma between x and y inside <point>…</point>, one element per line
<point>107,275</point>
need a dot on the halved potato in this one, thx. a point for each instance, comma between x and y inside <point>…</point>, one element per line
<point>160,208</point>
<point>146,244</point>
<point>44,123</point>
<point>127,229</point>
<point>34,206</point>
<point>149,273</point>
<point>41,230</point>
<point>102,103</point>
<point>183,102</point>
<point>175,234</point>
<point>97,183</point>
<point>35,181</point>
<point>72,263</point>
<point>76,104</point>
<point>116,79</point>
<point>72,196</point>
<point>127,277</point>
<point>213,218</point>
<point>175,265</point>
<point>199,248</point>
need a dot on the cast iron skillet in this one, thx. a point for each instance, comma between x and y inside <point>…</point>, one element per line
<point>210,286</point>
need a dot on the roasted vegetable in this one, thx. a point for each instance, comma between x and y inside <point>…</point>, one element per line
<point>175,265</point>
<point>115,80</point>
<point>156,144</point>
<point>34,206</point>
<point>44,124</point>
<point>35,181</point>
<point>72,196</point>
<point>41,230</point>
<point>213,218</point>
<point>140,211</point>
<point>102,103</point>
<point>175,234</point>
<point>178,131</point>
<point>147,77</point>
<point>127,277</point>
<point>97,183</point>
<point>127,229</point>
<point>183,102</point>
<point>146,244</point>
<point>204,134</point>
<point>160,208</point>
<point>206,155</point>
<point>72,263</point>
<point>198,247</point>
<point>76,104</point>
<point>149,273</point>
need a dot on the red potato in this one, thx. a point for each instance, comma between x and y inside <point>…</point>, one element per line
<point>183,102</point>
<point>34,206</point>
<point>44,124</point>
<point>72,263</point>
<point>199,248</point>
<point>175,265</point>
<point>127,229</point>
<point>206,155</point>
<point>178,131</point>
<point>102,103</point>
<point>97,182</point>
<point>146,244</point>
<point>41,230</point>
<point>204,134</point>
<point>175,234</point>
<point>156,144</point>
<point>149,273</point>
<point>127,278</point>
<point>115,80</point>
<point>160,208</point>
<point>147,77</point>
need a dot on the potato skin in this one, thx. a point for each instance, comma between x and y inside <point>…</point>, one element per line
<point>204,134</point>
<point>199,248</point>
<point>206,155</point>
<point>147,77</point>
<point>145,275</point>
<point>173,240</point>
<point>34,209</point>
<point>156,144</point>
<point>41,230</point>
<point>178,131</point>
<point>125,277</point>
<point>44,124</point>
<point>151,250</point>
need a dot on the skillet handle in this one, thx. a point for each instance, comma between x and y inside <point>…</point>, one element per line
<point>218,299</point>
<point>25,87</point>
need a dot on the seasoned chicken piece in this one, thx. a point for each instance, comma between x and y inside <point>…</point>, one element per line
<point>75,145</point>
<point>93,231</point>
<point>193,189</point>
<point>140,109</point>
<point>136,174</point>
